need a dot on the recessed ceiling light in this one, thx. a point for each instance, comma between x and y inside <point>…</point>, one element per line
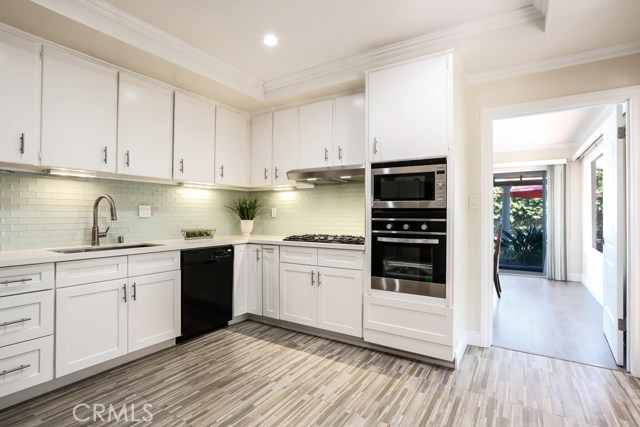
<point>270,40</point>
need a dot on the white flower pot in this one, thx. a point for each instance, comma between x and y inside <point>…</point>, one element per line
<point>246,225</point>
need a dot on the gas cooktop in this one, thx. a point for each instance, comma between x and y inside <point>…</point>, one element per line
<point>326,238</point>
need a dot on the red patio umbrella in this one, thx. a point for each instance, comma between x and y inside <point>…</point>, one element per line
<point>526,191</point>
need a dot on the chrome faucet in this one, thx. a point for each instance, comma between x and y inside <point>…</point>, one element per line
<point>95,231</point>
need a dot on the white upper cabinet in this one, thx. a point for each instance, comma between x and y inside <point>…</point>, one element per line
<point>409,109</point>
<point>349,130</point>
<point>79,112</point>
<point>20,78</point>
<point>232,148</point>
<point>145,128</point>
<point>285,144</point>
<point>316,134</point>
<point>261,145</point>
<point>193,139</point>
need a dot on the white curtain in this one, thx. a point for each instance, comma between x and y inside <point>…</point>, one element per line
<point>556,223</point>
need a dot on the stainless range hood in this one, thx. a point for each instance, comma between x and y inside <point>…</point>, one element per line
<point>328,175</point>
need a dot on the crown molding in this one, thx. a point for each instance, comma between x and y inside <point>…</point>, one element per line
<point>423,45</point>
<point>579,58</point>
<point>108,19</point>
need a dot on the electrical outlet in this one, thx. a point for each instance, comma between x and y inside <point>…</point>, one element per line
<point>144,211</point>
<point>273,212</point>
<point>473,201</point>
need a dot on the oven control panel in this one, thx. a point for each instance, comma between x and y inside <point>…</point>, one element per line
<point>408,225</point>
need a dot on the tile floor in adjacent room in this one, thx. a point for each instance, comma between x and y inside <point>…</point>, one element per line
<point>550,318</point>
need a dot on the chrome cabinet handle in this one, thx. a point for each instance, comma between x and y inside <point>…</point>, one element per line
<point>13,322</point>
<point>339,153</point>
<point>181,165</point>
<point>22,143</point>
<point>105,155</point>
<point>124,289</point>
<point>375,145</point>
<point>24,279</point>
<point>257,254</point>
<point>313,277</point>
<point>416,241</point>
<point>222,171</point>
<point>133,295</point>
<point>127,158</point>
<point>265,173</point>
<point>276,170</point>
<point>19,368</point>
<point>326,154</point>
<point>319,279</point>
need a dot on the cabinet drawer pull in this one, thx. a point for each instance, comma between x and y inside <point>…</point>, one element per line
<point>265,173</point>
<point>127,158</point>
<point>319,279</point>
<point>124,296</point>
<point>7,282</point>
<point>276,174</point>
<point>339,153</point>
<point>22,143</point>
<point>222,171</point>
<point>105,155</point>
<point>19,368</point>
<point>375,145</point>
<point>257,254</point>
<point>133,295</point>
<point>181,165</point>
<point>312,277</point>
<point>326,154</point>
<point>24,319</point>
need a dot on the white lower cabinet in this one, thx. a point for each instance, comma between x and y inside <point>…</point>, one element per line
<point>321,296</point>
<point>240,280</point>
<point>96,322</point>
<point>154,309</point>
<point>25,365</point>
<point>271,281</point>
<point>254,279</point>
<point>256,275</point>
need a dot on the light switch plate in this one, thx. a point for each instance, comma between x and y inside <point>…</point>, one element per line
<point>473,201</point>
<point>144,211</point>
<point>273,212</point>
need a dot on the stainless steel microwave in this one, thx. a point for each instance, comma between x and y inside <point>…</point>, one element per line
<point>410,185</point>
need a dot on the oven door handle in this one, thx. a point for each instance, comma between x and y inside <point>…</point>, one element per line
<point>414,241</point>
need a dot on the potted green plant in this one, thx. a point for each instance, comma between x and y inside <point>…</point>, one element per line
<point>247,208</point>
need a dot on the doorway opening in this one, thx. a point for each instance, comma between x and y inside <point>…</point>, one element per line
<point>559,193</point>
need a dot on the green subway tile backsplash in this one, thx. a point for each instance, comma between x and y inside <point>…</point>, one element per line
<point>41,211</point>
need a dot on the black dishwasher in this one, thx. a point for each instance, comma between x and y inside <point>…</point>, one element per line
<point>207,289</point>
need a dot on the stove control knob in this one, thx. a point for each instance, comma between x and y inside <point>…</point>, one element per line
<point>389,226</point>
<point>424,227</point>
<point>406,226</point>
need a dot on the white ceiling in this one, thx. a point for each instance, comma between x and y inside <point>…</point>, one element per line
<point>548,131</point>
<point>213,47</point>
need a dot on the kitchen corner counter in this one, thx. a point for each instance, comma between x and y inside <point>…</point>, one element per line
<point>39,256</point>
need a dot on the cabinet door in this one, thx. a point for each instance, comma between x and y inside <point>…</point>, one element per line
<point>408,110</point>
<point>340,300</point>
<point>79,113</point>
<point>145,128</point>
<point>261,144</point>
<point>254,279</point>
<point>285,144</point>
<point>240,279</point>
<point>194,131</point>
<point>154,309</point>
<point>232,148</point>
<point>316,134</point>
<point>349,129</point>
<point>298,293</point>
<point>91,325</point>
<point>271,281</point>
<point>20,79</point>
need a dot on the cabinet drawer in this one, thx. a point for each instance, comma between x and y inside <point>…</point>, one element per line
<point>73,273</point>
<point>352,260</point>
<point>25,364</point>
<point>158,262</point>
<point>25,278</point>
<point>299,255</point>
<point>25,317</point>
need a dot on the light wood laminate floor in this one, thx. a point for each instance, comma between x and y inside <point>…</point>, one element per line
<point>251,374</point>
<point>551,318</point>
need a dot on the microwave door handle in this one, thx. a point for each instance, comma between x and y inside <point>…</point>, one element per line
<point>414,241</point>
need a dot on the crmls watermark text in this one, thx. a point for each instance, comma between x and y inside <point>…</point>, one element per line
<point>84,413</point>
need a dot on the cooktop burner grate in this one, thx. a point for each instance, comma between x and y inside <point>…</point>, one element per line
<point>326,238</point>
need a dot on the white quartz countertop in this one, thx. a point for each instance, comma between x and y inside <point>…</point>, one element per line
<point>38,256</point>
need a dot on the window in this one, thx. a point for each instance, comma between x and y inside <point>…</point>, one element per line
<point>596,201</point>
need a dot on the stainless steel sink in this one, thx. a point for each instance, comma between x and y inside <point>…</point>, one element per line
<point>103,248</point>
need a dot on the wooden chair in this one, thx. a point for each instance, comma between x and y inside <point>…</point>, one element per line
<point>496,261</point>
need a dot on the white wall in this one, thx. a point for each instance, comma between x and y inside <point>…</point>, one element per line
<point>586,78</point>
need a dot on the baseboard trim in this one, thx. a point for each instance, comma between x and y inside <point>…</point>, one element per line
<point>574,278</point>
<point>475,338</point>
